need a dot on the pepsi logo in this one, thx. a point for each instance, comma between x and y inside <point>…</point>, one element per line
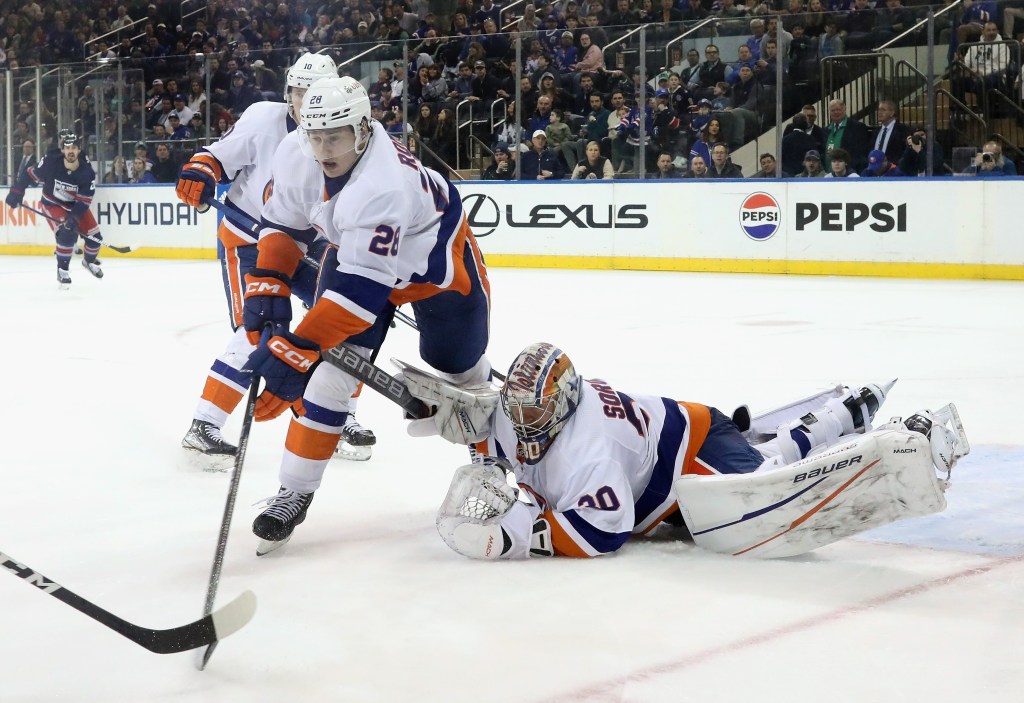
<point>760,216</point>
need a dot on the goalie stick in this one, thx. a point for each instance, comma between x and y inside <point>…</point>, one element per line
<point>206,630</point>
<point>119,250</point>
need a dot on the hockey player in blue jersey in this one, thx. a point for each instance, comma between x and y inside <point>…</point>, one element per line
<point>69,183</point>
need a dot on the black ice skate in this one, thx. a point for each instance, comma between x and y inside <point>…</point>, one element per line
<point>93,267</point>
<point>205,437</point>
<point>356,440</point>
<point>274,526</point>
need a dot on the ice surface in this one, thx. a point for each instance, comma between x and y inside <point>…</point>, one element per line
<point>367,604</point>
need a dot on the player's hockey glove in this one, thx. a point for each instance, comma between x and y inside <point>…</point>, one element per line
<point>15,197</point>
<point>267,301</point>
<point>71,222</point>
<point>197,183</point>
<point>284,361</point>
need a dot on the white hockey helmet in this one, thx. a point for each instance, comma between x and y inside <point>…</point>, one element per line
<point>339,101</point>
<point>308,70</point>
<point>539,396</point>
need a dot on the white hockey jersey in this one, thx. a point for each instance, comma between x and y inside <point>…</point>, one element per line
<point>398,225</point>
<point>246,155</point>
<point>608,473</point>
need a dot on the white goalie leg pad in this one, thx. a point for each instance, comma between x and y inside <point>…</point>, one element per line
<point>462,414</point>
<point>875,479</point>
<point>480,517</point>
<point>763,425</point>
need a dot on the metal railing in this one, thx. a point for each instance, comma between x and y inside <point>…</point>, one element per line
<point>181,10</point>
<point>920,24</point>
<point>684,35</point>
<point>126,28</point>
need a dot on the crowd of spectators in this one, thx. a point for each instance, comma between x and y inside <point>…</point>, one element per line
<point>463,52</point>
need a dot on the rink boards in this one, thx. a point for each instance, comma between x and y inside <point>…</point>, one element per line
<point>942,228</point>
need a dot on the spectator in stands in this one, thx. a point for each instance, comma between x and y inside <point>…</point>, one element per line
<point>140,174</point>
<point>664,167</point>
<point>744,58</point>
<point>914,161</point>
<point>893,19</point>
<point>509,132</point>
<point>756,37</point>
<point>812,165</point>
<point>710,137</point>
<point>846,132</point>
<point>118,172</point>
<point>176,130</point>
<point>463,88</point>
<point>987,166</point>
<point>748,98</point>
<point>622,18</point>
<point>560,138</point>
<point>860,26</point>
<point>733,20</point>
<point>987,64</point>
<point>592,25</point>
<point>840,165</point>
<point>769,168</point>
<point>501,168</point>
<point>436,88</point>
<point>426,122</point>
<point>197,125</point>
<point>698,168</point>
<point>879,166</point>
<point>549,87</point>
<point>593,166</point>
<point>565,56</point>
<point>594,128</point>
<point>442,142</point>
<point>721,165</point>
<point>181,107</point>
<point>830,41</point>
<point>196,98</point>
<point>688,73</point>
<point>165,168</point>
<point>814,19</point>
<point>711,72</point>
<point>541,118</point>
<point>241,95</point>
<point>1010,17</point>
<point>683,102</point>
<point>28,157</point>
<point>891,134</point>
<point>591,57</point>
<point>810,113</point>
<point>976,14</point>
<point>781,37</point>
<point>540,163</point>
<point>665,127</point>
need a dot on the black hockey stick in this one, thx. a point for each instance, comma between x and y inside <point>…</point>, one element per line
<point>229,511</point>
<point>378,379</point>
<point>209,628</point>
<point>89,237</point>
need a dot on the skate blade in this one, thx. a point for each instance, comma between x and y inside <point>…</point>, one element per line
<point>266,546</point>
<point>353,453</point>
<point>209,463</point>
<point>63,286</point>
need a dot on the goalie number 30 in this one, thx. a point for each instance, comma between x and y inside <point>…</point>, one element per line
<point>603,499</point>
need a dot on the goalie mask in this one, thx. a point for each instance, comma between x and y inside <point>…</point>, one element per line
<point>539,396</point>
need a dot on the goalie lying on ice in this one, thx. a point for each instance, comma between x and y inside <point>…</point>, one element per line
<point>599,465</point>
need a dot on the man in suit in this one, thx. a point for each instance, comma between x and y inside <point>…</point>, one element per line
<point>847,133</point>
<point>28,156</point>
<point>891,135</point>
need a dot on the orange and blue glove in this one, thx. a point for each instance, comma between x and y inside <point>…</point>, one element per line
<point>284,360</point>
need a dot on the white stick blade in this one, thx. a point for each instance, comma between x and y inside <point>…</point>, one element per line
<point>233,616</point>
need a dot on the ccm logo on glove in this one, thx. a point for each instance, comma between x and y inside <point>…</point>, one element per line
<point>265,288</point>
<point>299,359</point>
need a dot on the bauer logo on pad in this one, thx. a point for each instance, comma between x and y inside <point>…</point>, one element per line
<point>760,216</point>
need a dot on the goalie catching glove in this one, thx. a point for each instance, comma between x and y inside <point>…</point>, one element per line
<point>267,302</point>
<point>480,517</point>
<point>284,361</point>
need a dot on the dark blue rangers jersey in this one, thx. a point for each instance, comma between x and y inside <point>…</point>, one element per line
<point>67,189</point>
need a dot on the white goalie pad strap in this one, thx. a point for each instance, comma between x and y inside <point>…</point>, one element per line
<point>875,479</point>
<point>480,517</point>
<point>763,426</point>
<point>463,414</point>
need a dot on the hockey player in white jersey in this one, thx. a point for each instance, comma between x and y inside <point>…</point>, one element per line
<point>599,465</point>
<point>243,158</point>
<point>401,237</point>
